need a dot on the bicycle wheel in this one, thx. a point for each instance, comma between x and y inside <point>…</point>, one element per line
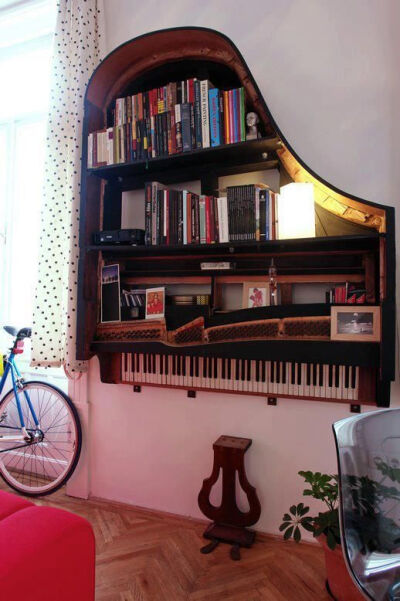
<point>44,465</point>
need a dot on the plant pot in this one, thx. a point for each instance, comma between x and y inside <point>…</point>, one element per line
<point>340,582</point>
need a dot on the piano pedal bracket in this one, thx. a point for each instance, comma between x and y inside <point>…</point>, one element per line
<point>137,388</point>
<point>191,394</point>
<point>355,408</point>
<point>273,401</point>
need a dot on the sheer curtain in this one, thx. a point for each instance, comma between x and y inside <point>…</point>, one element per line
<point>77,51</point>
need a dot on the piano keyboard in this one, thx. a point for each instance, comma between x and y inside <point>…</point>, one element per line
<point>268,378</point>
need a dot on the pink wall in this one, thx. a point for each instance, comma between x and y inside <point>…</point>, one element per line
<point>330,76</point>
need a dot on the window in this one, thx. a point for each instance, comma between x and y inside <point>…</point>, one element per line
<point>26,35</point>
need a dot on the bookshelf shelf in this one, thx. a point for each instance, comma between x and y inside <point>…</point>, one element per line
<point>354,243</point>
<point>225,159</point>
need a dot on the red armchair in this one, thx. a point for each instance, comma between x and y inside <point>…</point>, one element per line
<point>45,553</point>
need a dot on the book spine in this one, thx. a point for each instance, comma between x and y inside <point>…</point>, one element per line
<point>178,126</point>
<point>180,217</point>
<point>205,119</point>
<point>147,214</point>
<point>235,115</point>
<point>193,217</point>
<point>167,217</point>
<point>184,218</point>
<point>186,129</point>
<point>165,133</point>
<point>202,214</point>
<point>226,117</point>
<point>213,98</point>
<point>257,214</point>
<point>231,126</point>
<point>242,116</point>
<point>197,114</point>
<point>90,151</point>
<point>208,220</point>
<point>153,213</point>
<point>188,218</point>
<point>216,219</point>
<point>262,213</point>
<point>192,128</point>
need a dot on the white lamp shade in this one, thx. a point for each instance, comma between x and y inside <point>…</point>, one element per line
<point>296,213</point>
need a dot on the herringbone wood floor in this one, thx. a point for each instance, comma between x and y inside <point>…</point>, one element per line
<point>146,556</point>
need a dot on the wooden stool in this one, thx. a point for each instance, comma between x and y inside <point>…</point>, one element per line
<point>229,523</point>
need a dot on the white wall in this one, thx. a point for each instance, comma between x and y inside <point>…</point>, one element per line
<point>329,73</point>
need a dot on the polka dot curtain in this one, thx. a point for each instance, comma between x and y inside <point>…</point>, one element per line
<point>77,51</point>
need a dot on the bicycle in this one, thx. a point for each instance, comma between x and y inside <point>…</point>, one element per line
<point>40,431</point>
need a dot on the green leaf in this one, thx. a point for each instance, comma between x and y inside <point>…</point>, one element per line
<point>286,517</point>
<point>288,533</point>
<point>297,535</point>
<point>284,526</point>
<point>293,510</point>
<point>307,526</point>
<point>330,539</point>
<point>304,511</point>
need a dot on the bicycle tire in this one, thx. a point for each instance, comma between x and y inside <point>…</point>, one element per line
<point>34,458</point>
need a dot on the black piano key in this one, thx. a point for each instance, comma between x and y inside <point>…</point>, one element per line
<point>353,376</point>
<point>346,376</point>
<point>174,365</point>
<point>293,373</point>
<point>248,370</point>
<point>183,365</point>
<point>330,376</point>
<point>257,370</point>
<point>209,369</point>
<point>321,375</point>
<point>263,371</point>
<point>229,364</point>
<point>314,380</point>
<point>308,377</point>
<point>191,366</point>
<point>166,365</point>
<point>299,374</point>
<point>215,361</point>
<point>272,371</point>
<point>336,376</point>
<point>223,371</point>
<point>283,364</point>
<point>204,367</point>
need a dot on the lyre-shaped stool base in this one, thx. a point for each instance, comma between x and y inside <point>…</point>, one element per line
<point>230,524</point>
<point>232,535</point>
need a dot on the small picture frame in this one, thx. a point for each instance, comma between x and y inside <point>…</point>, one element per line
<point>353,324</point>
<point>255,294</point>
<point>110,294</point>
<point>155,303</point>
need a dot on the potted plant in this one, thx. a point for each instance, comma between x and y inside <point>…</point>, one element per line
<point>363,506</point>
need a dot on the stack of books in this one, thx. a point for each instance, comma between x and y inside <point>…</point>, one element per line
<point>189,299</point>
<point>174,217</point>
<point>179,117</point>
<point>348,294</point>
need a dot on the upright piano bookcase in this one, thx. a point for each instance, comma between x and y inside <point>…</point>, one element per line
<point>360,246</point>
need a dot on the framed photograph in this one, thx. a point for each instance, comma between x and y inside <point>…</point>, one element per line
<point>155,303</point>
<point>255,294</point>
<point>110,294</point>
<point>353,324</point>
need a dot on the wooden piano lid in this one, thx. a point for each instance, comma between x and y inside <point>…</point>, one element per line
<point>233,442</point>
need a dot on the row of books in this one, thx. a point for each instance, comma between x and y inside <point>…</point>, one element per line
<point>188,299</point>
<point>179,117</point>
<point>347,295</point>
<point>174,217</point>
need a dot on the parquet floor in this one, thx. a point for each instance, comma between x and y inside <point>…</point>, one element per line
<point>146,556</point>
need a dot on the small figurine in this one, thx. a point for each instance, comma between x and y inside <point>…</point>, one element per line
<point>252,120</point>
<point>273,285</point>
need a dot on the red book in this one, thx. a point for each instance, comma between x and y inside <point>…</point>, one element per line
<point>208,220</point>
<point>191,90</point>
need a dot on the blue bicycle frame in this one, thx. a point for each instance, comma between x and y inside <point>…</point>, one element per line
<point>18,385</point>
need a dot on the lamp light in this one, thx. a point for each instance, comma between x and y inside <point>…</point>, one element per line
<point>296,213</point>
